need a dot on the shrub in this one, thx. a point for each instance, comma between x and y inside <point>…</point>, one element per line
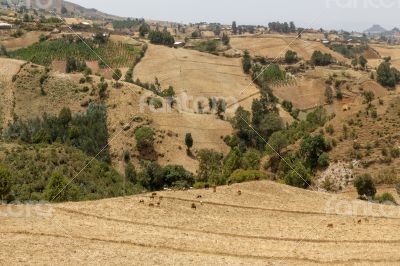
<point>299,176</point>
<point>210,167</point>
<point>189,141</point>
<point>246,62</point>
<point>130,172</point>
<point>3,50</point>
<point>365,186</point>
<point>386,198</point>
<point>241,175</point>
<point>320,59</point>
<point>59,189</point>
<point>5,182</point>
<point>291,57</point>
<point>144,138</point>
<point>164,38</point>
<point>323,160</point>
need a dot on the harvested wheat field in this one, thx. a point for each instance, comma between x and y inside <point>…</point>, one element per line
<point>275,46</point>
<point>127,106</point>
<point>385,51</point>
<point>28,39</point>
<point>268,224</point>
<point>200,75</point>
<point>8,68</point>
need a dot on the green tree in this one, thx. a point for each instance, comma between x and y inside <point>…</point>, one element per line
<point>365,186</point>
<point>65,116</point>
<point>241,122</point>
<point>231,162</point>
<point>246,62</point>
<point>271,123</point>
<point>225,39</point>
<point>329,94</point>
<point>277,142</point>
<point>251,160</point>
<point>234,27</point>
<point>311,149</point>
<point>59,189</point>
<point>210,167</point>
<point>117,74</point>
<point>363,61</point>
<point>130,172</point>
<point>299,176</point>
<point>321,59</point>
<point>385,75</point>
<point>144,29</point>
<point>5,182</point>
<point>144,138</point>
<point>189,141</point>
<point>177,176</point>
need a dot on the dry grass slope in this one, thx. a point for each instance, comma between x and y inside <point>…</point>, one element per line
<point>268,224</point>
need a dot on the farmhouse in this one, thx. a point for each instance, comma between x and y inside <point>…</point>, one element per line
<point>4,25</point>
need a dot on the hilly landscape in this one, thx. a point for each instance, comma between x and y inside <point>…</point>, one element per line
<point>141,141</point>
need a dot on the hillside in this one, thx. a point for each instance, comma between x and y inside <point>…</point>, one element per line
<point>268,223</point>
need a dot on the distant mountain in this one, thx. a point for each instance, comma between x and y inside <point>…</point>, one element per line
<point>74,9</point>
<point>89,13</point>
<point>375,29</point>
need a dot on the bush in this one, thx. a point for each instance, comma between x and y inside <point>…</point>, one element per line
<point>164,38</point>
<point>323,160</point>
<point>87,131</point>
<point>365,186</point>
<point>246,62</point>
<point>144,138</point>
<point>3,50</point>
<point>291,57</point>
<point>320,59</point>
<point>210,167</point>
<point>299,176</point>
<point>386,198</point>
<point>59,189</point>
<point>5,182</point>
<point>241,175</point>
<point>130,172</point>
<point>386,75</point>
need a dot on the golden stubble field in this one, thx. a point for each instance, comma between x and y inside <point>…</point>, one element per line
<point>171,127</point>
<point>199,75</point>
<point>275,46</point>
<point>268,224</point>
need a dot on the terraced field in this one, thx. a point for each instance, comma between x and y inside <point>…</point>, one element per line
<point>267,224</point>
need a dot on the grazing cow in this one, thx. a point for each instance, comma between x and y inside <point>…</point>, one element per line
<point>151,204</point>
<point>359,222</point>
<point>194,206</point>
<point>141,201</point>
<point>158,204</point>
<point>330,225</point>
<point>215,188</point>
<point>199,196</point>
<point>239,192</point>
<point>154,194</point>
<point>160,197</point>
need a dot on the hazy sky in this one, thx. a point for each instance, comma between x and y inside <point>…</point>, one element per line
<point>329,14</point>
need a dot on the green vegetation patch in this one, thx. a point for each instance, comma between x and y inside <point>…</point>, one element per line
<point>116,54</point>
